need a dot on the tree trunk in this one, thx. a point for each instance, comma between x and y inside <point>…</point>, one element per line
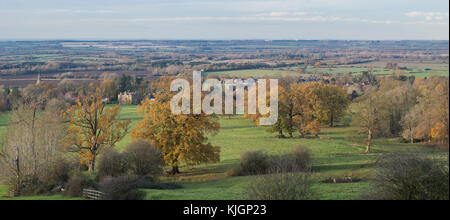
<point>412,137</point>
<point>302,135</point>
<point>332,120</point>
<point>369,141</point>
<point>18,176</point>
<point>175,170</point>
<point>92,165</point>
<point>33,143</point>
<point>291,124</point>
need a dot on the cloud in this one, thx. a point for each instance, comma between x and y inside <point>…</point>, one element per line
<point>428,16</point>
<point>285,19</point>
<point>73,11</point>
<point>284,14</point>
<point>413,14</point>
<point>274,16</point>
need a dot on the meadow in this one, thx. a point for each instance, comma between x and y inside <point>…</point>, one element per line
<point>337,153</point>
<point>417,69</point>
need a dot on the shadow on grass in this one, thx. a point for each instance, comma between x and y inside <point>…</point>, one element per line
<point>236,127</point>
<point>342,167</point>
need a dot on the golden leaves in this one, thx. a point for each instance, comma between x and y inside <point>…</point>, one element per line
<point>182,138</point>
<point>93,126</point>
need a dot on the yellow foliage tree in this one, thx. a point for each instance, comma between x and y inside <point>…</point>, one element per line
<point>313,128</point>
<point>181,138</point>
<point>439,132</point>
<point>92,127</point>
<point>333,102</point>
<point>299,107</point>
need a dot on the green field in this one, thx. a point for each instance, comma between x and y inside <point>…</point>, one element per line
<point>256,73</point>
<point>337,153</point>
<point>3,190</point>
<point>419,70</point>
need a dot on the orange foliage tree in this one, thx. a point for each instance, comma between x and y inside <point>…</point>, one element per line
<point>303,105</point>
<point>92,127</point>
<point>182,138</point>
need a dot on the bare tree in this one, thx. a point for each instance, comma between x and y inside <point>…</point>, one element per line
<point>368,118</point>
<point>30,143</point>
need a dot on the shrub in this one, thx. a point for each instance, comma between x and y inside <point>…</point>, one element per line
<point>299,160</point>
<point>280,186</point>
<point>144,159</point>
<point>28,186</point>
<point>254,163</point>
<point>258,162</point>
<point>61,171</point>
<point>49,180</point>
<point>112,163</point>
<point>410,176</point>
<point>76,184</point>
<point>121,188</point>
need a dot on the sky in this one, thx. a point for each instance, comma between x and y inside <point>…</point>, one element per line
<point>224,20</point>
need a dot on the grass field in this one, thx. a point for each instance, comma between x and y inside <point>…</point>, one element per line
<point>3,190</point>
<point>256,73</point>
<point>419,70</point>
<point>337,153</point>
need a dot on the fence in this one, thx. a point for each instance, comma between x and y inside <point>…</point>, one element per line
<point>92,194</point>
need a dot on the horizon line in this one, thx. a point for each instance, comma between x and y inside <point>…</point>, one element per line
<point>199,39</point>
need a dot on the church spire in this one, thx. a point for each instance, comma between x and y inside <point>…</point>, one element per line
<point>38,79</point>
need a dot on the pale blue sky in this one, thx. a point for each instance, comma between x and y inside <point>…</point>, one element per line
<point>227,19</point>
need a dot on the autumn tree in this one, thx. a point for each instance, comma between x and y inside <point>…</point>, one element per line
<point>92,127</point>
<point>109,89</point>
<point>396,99</point>
<point>299,109</point>
<point>181,137</point>
<point>368,119</point>
<point>296,109</point>
<point>312,128</point>
<point>431,111</point>
<point>333,103</point>
<point>410,122</point>
<point>125,83</point>
<point>440,111</point>
<point>284,107</point>
<point>303,105</point>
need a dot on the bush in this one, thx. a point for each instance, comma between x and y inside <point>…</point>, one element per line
<point>280,186</point>
<point>254,163</point>
<point>61,171</point>
<point>258,162</point>
<point>29,186</point>
<point>121,188</point>
<point>112,163</point>
<point>144,159</point>
<point>140,159</point>
<point>50,180</point>
<point>410,176</point>
<point>299,160</point>
<point>76,184</point>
